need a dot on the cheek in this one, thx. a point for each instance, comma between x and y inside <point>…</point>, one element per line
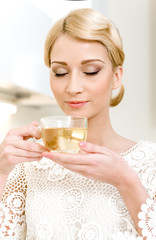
<point>57,89</point>
<point>102,87</point>
<point>101,92</point>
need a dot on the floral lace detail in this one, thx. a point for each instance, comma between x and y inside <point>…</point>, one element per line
<point>147,218</point>
<point>12,206</point>
<point>16,202</point>
<point>43,231</point>
<point>71,199</point>
<point>90,231</point>
<point>124,236</point>
<point>131,149</point>
<point>11,227</point>
<point>54,203</point>
<point>117,204</point>
<point>77,208</point>
<point>140,155</point>
<point>57,173</point>
<point>44,163</point>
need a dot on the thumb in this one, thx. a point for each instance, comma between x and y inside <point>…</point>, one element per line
<point>36,131</point>
<point>32,130</point>
<point>93,148</point>
<point>34,123</point>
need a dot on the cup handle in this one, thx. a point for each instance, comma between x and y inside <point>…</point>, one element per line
<point>33,139</point>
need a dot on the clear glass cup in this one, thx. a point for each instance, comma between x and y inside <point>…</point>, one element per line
<point>63,133</point>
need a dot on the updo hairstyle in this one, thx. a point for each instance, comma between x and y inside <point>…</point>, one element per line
<point>89,25</point>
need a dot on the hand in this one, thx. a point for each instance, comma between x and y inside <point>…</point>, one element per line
<point>95,162</point>
<point>15,149</point>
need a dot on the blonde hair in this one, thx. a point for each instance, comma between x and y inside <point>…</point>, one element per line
<point>89,25</point>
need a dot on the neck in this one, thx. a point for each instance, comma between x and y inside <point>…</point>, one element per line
<point>100,130</point>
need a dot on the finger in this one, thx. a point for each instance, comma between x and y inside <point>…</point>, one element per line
<point>12,151</point>
<point>27,131</point>
<point>93,148</point>
<point>25,145</point>
<point>84,170</point>
<point>73,159</point>
<point>31,146</point>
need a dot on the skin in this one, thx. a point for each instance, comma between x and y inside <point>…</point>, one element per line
<point>71,62</point>
<point>70,81</point>
<point>99,157</point>
<point>16,149</point>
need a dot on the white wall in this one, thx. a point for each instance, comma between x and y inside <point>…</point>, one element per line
<point>135,117</point>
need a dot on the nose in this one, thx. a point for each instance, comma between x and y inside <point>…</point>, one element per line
<point>75,85</point>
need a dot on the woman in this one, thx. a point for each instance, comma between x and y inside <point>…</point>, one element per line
<point>98,193</point>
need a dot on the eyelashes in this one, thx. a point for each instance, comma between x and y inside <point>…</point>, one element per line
<point>87,73</point>
<point>60,74</point>
<point>92,73</point>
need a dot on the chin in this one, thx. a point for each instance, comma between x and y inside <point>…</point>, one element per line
<point>75,113</point>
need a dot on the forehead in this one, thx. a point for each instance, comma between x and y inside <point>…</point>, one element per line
<point>66,45</point>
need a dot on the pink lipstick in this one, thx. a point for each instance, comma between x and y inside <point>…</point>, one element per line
<point>76,104</point>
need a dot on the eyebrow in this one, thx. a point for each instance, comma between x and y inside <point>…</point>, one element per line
<point>91,60</point>
<point>83,62</point>
<point>59,62</point>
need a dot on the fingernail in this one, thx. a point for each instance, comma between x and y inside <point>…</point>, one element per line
<point>47,154</point>
<point>82,144</point>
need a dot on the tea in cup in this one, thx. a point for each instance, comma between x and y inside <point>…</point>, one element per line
<point>63,133</point>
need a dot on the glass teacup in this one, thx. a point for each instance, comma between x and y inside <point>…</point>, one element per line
<point>63,133</point>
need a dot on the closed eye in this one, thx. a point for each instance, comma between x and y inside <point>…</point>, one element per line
<point>60,74</point>
<point>91,73</point>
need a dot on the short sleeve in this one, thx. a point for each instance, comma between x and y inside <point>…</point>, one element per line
<point>147,215</point>
<point>147,219</point>
<point>12,206</point>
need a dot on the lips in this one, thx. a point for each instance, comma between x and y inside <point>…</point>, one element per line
<point>76,104</point>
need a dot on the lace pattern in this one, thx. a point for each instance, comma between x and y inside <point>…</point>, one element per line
<point>43,200</point>
<point>12,206</point>
<point>147,218</point>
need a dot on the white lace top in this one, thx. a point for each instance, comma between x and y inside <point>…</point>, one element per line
<point>44,201</point>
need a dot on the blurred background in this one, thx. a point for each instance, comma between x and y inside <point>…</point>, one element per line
<point>24,80</point>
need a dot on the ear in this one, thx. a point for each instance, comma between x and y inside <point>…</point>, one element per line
<point>117,77</point>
